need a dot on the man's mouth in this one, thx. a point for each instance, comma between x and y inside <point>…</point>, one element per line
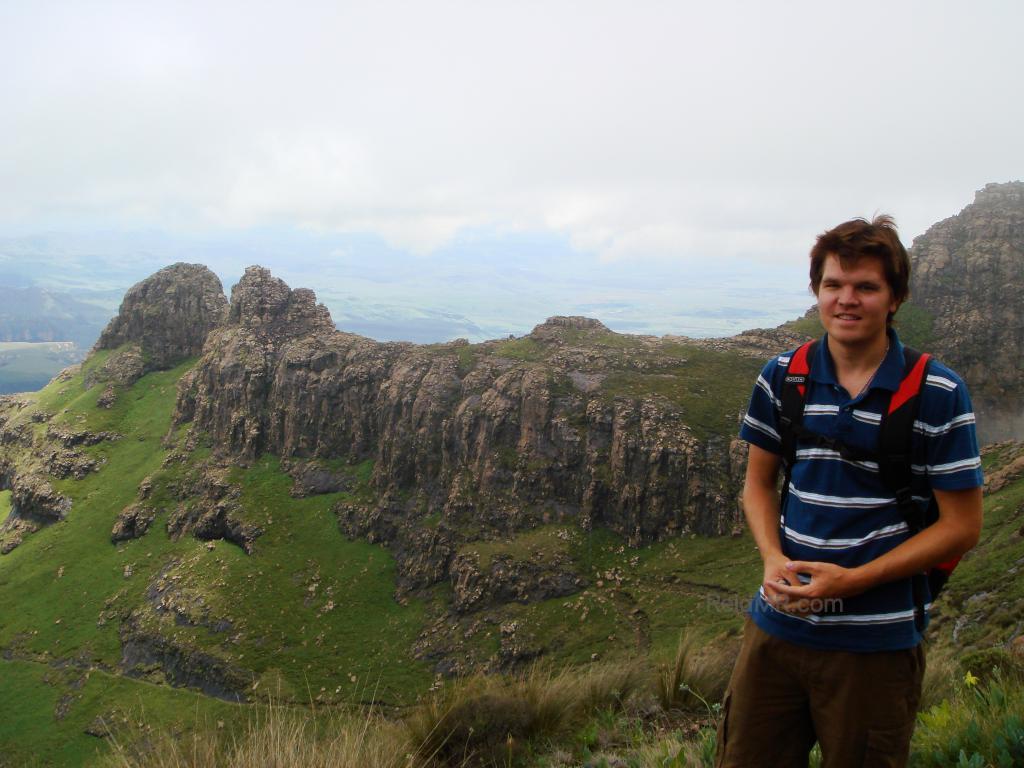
<point>848,317</point>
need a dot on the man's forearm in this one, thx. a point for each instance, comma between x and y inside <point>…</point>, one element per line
<point>761,508</point>
<point>953,534</point>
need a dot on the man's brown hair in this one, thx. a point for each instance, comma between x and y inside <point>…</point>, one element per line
<point>860,238</point>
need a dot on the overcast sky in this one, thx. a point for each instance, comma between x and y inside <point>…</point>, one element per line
<point>641,133</point>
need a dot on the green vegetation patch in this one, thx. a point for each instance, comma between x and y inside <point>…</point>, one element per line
<point>296,615</point>
<point>711,388</point>
<point>539,544</point>
<point>71,569</point>
<point>599,338</point>
<point>915,326</point>
<point>526,349</point>
<point>307,599</point>
<point>45,713</point>
<point>805,326</point>
<point>987,587</point>
<point>636,601</point>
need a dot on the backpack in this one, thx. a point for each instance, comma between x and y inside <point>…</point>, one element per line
<point>892,453</point>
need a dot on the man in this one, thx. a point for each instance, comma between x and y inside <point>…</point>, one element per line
<point>832,645</point>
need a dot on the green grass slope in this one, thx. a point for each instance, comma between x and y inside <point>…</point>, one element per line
<point>983,605</point>
<point>309,617</point>
<point>312,614</point>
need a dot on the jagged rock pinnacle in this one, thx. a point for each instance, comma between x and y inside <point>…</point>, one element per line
<point>169,315</point>
<point>262,301</point>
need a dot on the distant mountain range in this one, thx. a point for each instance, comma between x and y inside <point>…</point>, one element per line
<point>35,314</point>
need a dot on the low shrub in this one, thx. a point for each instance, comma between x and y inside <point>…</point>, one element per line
<point>985,660</point>
<point>981,725</point>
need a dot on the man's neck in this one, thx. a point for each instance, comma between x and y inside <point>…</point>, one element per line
<point>854,359</point>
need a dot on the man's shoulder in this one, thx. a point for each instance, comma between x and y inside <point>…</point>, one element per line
<point>941,377</point>
<point>775,368</point>
<point>781,360</point>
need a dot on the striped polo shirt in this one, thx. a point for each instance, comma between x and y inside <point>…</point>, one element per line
<point>839,511</point>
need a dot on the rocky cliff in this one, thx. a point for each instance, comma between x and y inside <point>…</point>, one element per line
<point>492,438</point>
<point>967,277</point>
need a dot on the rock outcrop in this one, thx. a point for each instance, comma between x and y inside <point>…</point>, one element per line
<point>201,503</point>
<point>967,276</point>
<point>34,504</point>
<point>492,438</point>
<point>168,315</point>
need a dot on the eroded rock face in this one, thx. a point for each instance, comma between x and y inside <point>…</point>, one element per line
<point>967,275</point>
<point>507,579</point>
<point>504,433</point>
<point>168,315</point>
<point>203,504</point>
<point>145,653</point>
<point>34,504</point>
<point>29,460</point>
<point>489,444</point>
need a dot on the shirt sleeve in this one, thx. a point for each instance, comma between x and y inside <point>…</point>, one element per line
<point>761,422</point>
<point>946,421</point>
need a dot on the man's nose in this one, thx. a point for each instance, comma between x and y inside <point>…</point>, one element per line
<point>847,295</point>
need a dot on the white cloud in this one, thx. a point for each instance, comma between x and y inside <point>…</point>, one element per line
<point>640,130</point>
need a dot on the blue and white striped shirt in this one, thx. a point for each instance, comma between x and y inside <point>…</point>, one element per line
<point>839,511</point>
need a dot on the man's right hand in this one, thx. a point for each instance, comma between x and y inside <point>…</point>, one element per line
<point>774,573</point>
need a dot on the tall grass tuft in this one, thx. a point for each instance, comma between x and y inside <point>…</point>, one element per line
<point>698,676</point>
<point>939,683</point>
<point>493,720</point>
<point>276,737</point>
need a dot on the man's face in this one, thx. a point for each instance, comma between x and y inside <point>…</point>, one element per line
<point>855,302</point>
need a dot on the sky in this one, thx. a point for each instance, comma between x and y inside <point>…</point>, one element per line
<point>667,164</point>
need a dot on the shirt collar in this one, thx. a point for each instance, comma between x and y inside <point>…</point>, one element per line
<point>889,373</point>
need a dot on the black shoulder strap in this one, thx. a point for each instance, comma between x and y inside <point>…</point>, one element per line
<point>894,457</point>
<point>896,432</point>
<point>794,393</point>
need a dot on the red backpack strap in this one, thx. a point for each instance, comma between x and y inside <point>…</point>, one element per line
<point>800,366</point>
<point>794,391</point>
<point>912,381</point>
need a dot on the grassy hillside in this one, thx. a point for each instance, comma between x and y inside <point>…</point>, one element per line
<point>312,622</point>
<point>309,617</point>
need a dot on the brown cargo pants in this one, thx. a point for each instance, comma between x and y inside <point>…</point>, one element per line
<point>782,697</point>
